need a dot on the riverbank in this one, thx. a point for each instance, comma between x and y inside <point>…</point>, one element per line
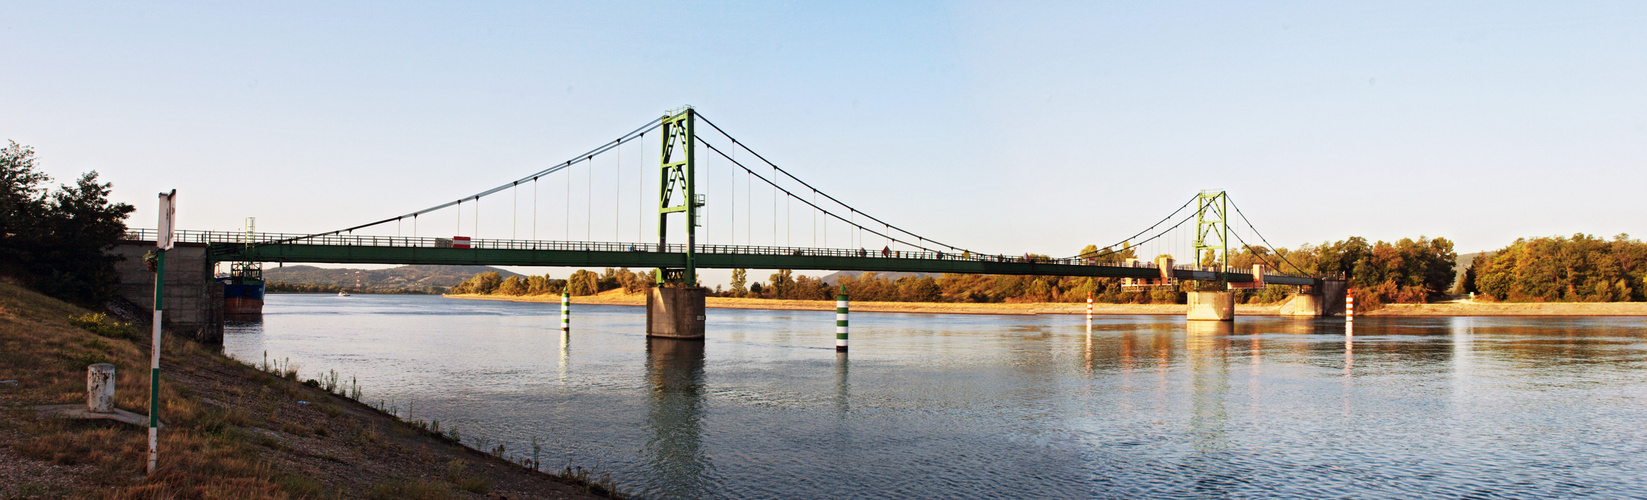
<point>232,430</point>
<point>1459,308</point>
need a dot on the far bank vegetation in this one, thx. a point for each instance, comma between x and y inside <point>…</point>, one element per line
<point>1582,268</point>
<point>1407,270</point>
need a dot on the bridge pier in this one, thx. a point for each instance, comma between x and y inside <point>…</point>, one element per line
<point>1327,299</point>
<point>1211,306</point>
<point>675,312</point>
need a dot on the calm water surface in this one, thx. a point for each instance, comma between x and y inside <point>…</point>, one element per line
<point>1004,406</point>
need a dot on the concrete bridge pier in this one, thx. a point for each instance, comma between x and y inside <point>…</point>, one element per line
<point>1326,299</point>
<point>675,312</point>
<point>1211,306</point>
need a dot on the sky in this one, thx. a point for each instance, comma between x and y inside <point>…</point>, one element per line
<point>1006,127</point>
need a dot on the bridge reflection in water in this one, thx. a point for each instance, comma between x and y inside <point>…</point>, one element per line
<point>674,419</point>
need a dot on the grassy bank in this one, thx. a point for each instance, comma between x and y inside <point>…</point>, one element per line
<point>234,430</point>
<point>1460,308</point>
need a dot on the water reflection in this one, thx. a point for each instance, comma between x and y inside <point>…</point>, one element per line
<point>843,385</point>
<point>1007,407</point>
<point>674,370</point>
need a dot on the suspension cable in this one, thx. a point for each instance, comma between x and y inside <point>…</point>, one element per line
<point>1261,236</point>
<point>632,135</point>
<point>809,186</point>
<point>776,188</point>
<point>1108,250</point>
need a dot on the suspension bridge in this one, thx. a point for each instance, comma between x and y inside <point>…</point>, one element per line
<point>693,161</point>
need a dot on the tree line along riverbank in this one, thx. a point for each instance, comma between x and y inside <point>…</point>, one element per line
<point>1407,271</point>
<point>1449,308</point>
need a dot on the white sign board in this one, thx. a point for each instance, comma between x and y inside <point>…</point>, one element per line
<point>168,215</point>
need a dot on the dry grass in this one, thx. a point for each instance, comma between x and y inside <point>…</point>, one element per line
<point>233,431</point>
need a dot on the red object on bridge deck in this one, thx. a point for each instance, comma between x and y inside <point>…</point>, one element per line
<point>460,242</point>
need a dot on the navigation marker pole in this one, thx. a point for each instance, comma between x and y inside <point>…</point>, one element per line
<point>1089,313</point>
<point>565,312</point>
<point>162,243</point>
<point>1349,314</point>
<point>840,320</point>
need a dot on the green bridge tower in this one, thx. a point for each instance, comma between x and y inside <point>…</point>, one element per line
<point>1211,220</point>
<point>678,173</point>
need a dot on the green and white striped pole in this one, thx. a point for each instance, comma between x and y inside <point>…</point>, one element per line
<point>840,321</point>
<point>565,312</point>
<point>162,243</point>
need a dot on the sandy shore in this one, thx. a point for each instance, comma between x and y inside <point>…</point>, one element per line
<point>1467,308</point>
<point>1462,308</point>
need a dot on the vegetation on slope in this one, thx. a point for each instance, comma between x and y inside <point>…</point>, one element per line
<point>233,430</point>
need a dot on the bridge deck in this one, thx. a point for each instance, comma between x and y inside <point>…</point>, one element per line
<point>363,249</point>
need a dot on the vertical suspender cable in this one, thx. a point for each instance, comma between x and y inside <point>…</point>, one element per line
<point>568,228</point>
<point>774,205</point>
<point>617,192</point>
<point>514,215</point>
<point>589,200</point>
<point>534,209</point>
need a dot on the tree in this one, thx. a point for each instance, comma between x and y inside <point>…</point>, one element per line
<point>739,278</point>
<point>513,285</point>
<point>483,284</point>
<point>583,282</point>
<point>58,244</point>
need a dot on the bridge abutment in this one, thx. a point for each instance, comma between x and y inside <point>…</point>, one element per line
<point>1324,300</point>
<point>1211,306</point>
<point>675,312</point>
<point>194,300</point>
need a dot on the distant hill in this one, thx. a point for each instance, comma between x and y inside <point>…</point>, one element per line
<point>1463,264</point>
<point>834,278</point>
<point>403,277</point>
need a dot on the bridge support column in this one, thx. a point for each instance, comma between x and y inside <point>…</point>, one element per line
<point>675,312</point>
<point>1211,306</point>
<point>1303,305</point>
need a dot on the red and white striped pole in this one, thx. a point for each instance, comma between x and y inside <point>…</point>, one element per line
<point>1089,312</point>
<point>1349,305</point>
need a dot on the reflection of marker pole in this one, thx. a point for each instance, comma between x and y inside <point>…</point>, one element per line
<point>840,320</point>
<point>1089,312</point>
<point>565,312</point>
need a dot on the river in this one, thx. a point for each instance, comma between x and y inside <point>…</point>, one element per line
<point>975,406</point>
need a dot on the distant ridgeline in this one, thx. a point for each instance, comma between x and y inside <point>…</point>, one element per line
<point>1403,271</point>
<point>1582,268</point>
<point>403,279</point>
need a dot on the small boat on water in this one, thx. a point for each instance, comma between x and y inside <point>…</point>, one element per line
<point>344,293</point>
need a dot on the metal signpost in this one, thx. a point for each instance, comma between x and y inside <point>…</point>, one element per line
<point>162,243</point>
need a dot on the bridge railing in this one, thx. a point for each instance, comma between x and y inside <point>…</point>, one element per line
<point>237,237</point>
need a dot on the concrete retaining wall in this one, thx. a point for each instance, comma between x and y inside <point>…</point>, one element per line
<point>193,302</point>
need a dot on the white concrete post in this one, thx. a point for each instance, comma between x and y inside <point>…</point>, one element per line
<point>100,388</point>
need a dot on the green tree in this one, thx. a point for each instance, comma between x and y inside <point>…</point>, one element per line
<point>58,244</point>
<point>512,285</point>
<point>740,277</point>
<point>583,282</point>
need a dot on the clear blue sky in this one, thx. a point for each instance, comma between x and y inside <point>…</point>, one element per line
<point>1007,127</point>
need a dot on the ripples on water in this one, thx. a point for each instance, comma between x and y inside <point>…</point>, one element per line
<point>1005,406</point>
